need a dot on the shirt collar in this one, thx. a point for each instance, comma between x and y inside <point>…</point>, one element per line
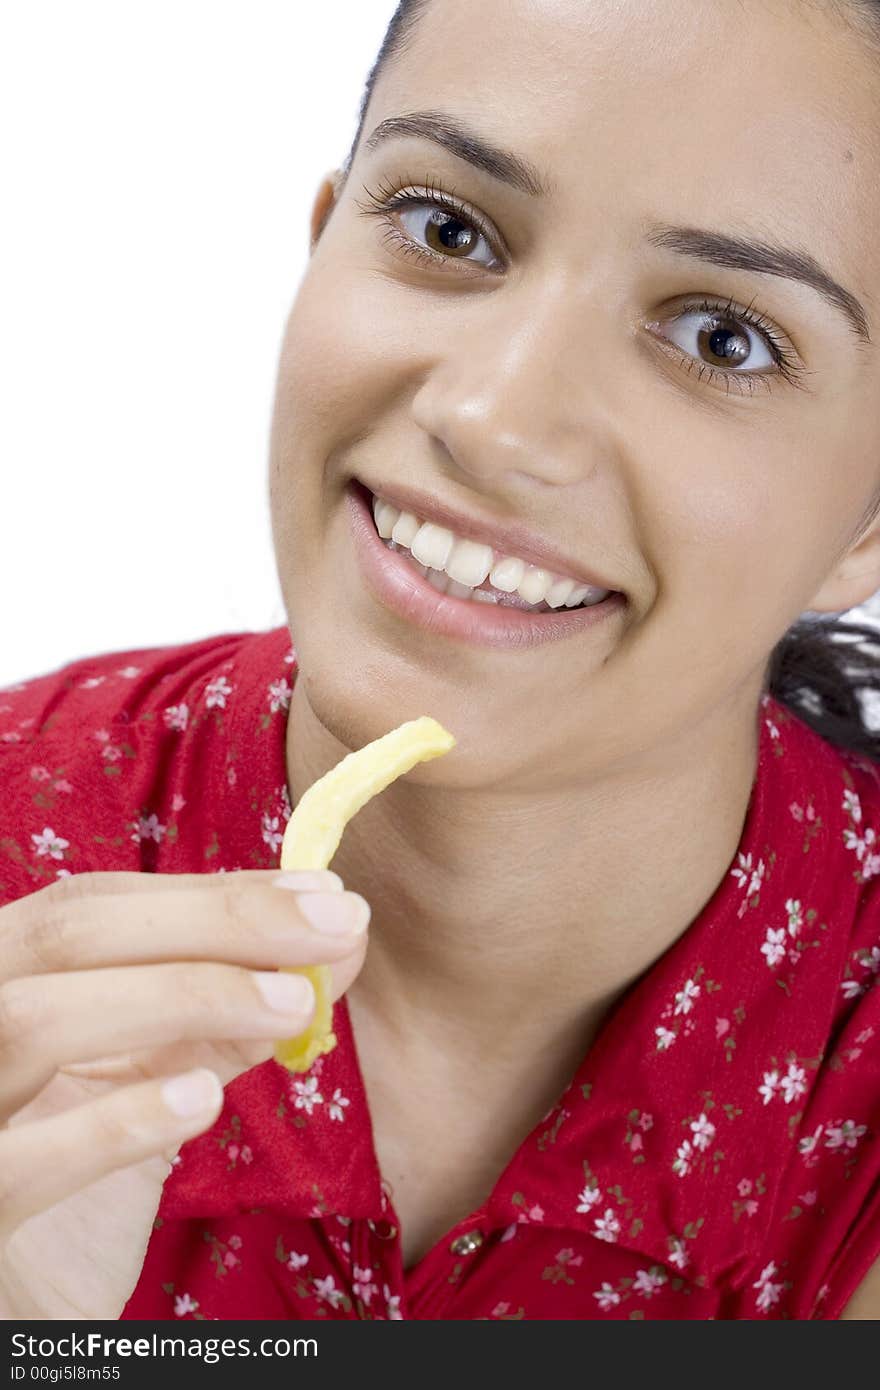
<point>671,1079</point>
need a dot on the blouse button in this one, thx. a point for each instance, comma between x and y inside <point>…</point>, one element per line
<point>466,1244</point>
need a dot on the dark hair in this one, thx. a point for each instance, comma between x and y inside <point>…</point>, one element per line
<point>823,664</point>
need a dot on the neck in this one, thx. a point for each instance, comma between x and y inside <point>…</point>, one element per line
<point>513,928</point>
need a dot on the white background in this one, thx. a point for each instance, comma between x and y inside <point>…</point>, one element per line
<point>158,167</point>
<point>157,172</point>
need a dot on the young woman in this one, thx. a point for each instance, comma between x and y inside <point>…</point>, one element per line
<point>578,414</point>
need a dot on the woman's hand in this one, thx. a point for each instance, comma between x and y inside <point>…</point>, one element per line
<point>114,987</point>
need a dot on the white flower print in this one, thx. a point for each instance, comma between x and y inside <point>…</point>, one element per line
<point>607,1297</point>
<point>852,989</point>
<point>176,716</point>
<point>290,658</point>
<point>768,1292</point>
<point>607,1227</point>
<point>393,1304</point>
<point>272,832</point>
<point>363,1287</point>
<point>326,1290</point>
<point>795,916</point>
<point>807,1145</point>
<point>684,999</point>
<point>867,856</point>
<point>774,946</point>
<point>794,1083</point>
<point>844,1135</point>
<point>770,1087</point>
<point>704,1132</point>
<point>148,828</point>
<point>183,1304</point>
<point>870,960</point>
<point>279,695</point>
<point>665,1039</point>
<point>305,1094</point>
<point>648,1281</point>
<point>129,672</point>
<point>681,1165</point>
<point>587,1199</point>
<point>216,692</point>
<point>749,879</point>
<point>295,1261</point>
<point>92,682</point>
<point>853,806</point>
<point>678,1254</point>
<point>335,1105</point>
<point>50,843</point>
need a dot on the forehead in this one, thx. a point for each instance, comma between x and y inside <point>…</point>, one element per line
<point>765,113</point>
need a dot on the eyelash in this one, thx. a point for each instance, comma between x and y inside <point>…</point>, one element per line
<point>388,198</point>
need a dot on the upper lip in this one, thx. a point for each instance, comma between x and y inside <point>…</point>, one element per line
<point>510,540</point>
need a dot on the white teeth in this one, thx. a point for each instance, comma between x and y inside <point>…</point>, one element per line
<point>558,593</point>
<point>578,595</point>
<point>456,565</point>
<point>534,584</point>
<point>405,529</point>
<point>507,574</point>
<point>469,562</point>
<point>385,516</point>
<point>432,545</point>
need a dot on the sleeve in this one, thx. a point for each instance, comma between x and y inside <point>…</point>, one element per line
<point>66,763</point>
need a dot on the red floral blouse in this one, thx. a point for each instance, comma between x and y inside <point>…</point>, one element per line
<point>716,1154</point>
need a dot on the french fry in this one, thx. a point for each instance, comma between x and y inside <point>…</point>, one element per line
<point>312,837</point>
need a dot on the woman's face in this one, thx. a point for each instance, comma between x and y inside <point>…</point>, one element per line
<point>559,374</point>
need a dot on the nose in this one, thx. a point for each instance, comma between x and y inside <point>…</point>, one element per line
<point>511,394</point>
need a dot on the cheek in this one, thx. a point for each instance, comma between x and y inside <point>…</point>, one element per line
<point>346,357</point>
<point>737,538</point>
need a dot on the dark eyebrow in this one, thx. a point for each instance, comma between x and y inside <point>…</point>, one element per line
<point>454,136</point>
<point>767,258</point>
<point>716,248</point>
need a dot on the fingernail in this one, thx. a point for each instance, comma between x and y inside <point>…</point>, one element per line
<point>193,1092</point>
<point>309,881</point>
<point>337,914</point>
<point>286,994</point>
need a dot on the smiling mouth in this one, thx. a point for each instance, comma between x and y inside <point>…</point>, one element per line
<point>475,572</point>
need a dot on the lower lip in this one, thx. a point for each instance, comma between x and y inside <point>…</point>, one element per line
<point>399,587</point>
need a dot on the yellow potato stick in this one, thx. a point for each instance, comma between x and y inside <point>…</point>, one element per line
<point>312,838</point>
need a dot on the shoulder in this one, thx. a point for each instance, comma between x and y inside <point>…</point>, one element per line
<point>814,1206</point>
<point>84,750</point>
<point>123,687</point>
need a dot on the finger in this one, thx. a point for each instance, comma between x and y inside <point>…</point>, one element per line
<point>227,1059</point>
<point>94,920</point>
<point>48,1020</point>
<point>43,1162</point>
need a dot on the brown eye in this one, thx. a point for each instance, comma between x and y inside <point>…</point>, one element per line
<point>729,345</point>
<point>446,235</point>
<point>719,340</point>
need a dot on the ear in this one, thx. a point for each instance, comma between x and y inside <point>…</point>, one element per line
<point>325,201</point>
<point>856,574</point>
